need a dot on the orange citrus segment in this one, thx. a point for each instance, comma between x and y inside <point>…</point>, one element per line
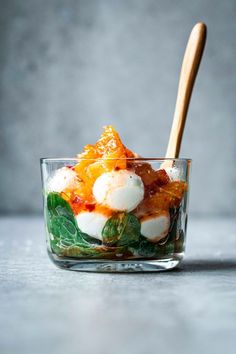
<point>145,171</point>
<point>88,156</point>
<point>149,175</point>
<point>107,154</point>
<point>110,146</point>
<point>175,191</point>
<point>166,197</point>
<point>95,170</point>
<point>110,143</point>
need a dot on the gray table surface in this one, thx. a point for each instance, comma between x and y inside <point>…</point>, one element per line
<point>47,310</point>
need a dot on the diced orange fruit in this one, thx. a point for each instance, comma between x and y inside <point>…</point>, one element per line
<point>130,154</point>
<point>166,197</point>
<point>149,175</point>
<point>110,146</point>
<point>109,142</point>
<point>175,191</point>
<point>162,177</point>
<point>145,171</point>
<point>106,155</point>
<point>95,170</point>
<point>87,157</point>
<point>109,149</point>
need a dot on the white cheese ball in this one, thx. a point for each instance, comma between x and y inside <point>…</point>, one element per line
<point>63,178</point>
<point>91,223</point>
<point>156,226</point>
<point>119,190</point>
<point>174,173</point>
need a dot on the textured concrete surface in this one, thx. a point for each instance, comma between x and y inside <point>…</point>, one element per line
<point>69,67</point>
<point>47,310</point>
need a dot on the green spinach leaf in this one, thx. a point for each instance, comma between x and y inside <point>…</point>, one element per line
<point>57,206</point>
<point>147,249</point>
<point>64,230</point>
<point>61,223</point>
<point>121,230</point>
<point>143,248</point>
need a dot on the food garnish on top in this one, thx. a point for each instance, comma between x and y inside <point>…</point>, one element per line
<point>109,154</point>
<point>109,179</point>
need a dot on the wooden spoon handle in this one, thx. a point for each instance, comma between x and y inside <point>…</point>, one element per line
<point>190,65</point>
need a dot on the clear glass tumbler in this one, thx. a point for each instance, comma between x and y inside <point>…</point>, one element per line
<point>135,222</point>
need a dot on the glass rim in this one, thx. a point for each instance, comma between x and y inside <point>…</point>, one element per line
<point>138,159</point>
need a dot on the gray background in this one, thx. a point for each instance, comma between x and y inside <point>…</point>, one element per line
<point>69,67</point>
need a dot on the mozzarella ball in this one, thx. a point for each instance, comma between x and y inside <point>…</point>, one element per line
<point>91,223</point>
<point>156,226</point>
<point>119,190</point>
<point>174,173</point>
<point>63,178</point>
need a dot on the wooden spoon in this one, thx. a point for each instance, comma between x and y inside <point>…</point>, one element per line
<point>190,65</point>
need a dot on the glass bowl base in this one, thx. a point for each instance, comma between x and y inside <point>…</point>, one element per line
<point>115,266</point>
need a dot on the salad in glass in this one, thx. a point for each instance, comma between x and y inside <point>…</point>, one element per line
<point>108,209</point>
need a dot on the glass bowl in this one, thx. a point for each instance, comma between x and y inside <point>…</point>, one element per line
<point>136,224</point>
